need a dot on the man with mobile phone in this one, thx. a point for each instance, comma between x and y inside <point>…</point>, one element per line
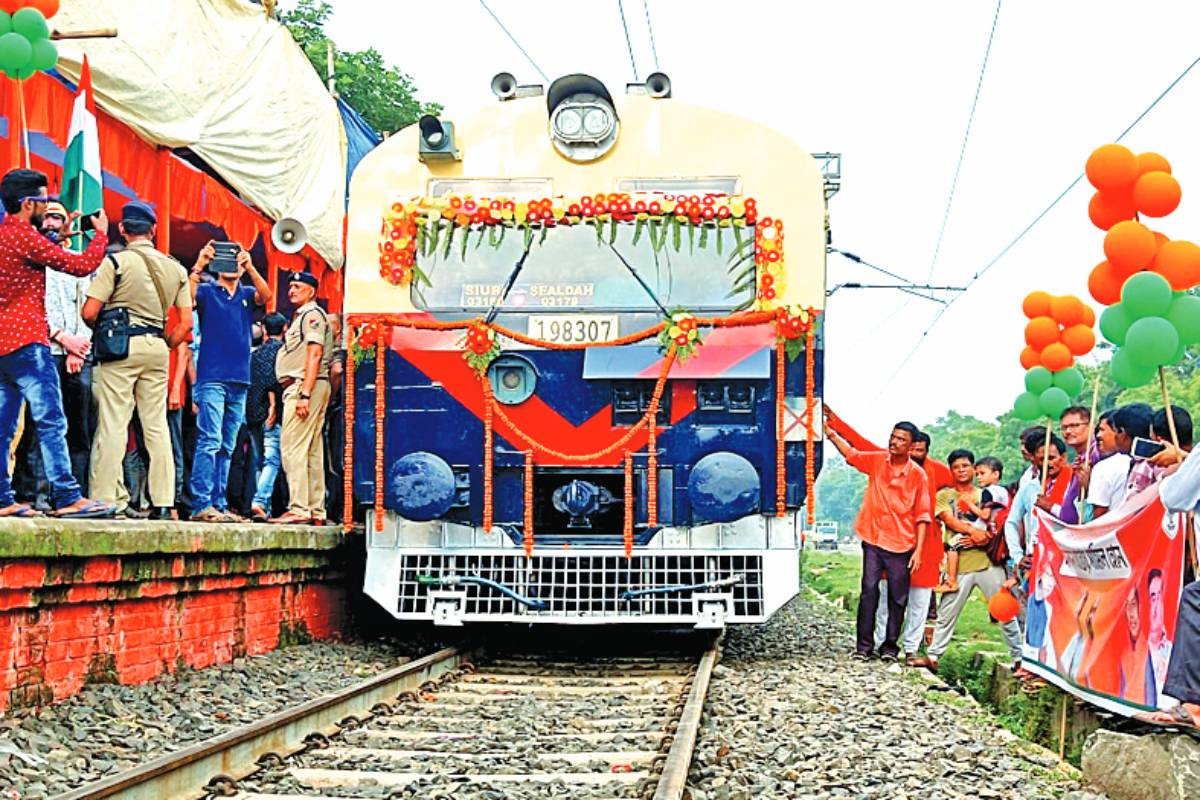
<point>27,369</point>
<point>226,311</point>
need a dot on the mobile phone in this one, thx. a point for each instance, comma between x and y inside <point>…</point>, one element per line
<point>225,259</point>
<point>1145,448</point>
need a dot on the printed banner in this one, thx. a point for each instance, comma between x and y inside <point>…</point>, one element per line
<point>1103,600</point>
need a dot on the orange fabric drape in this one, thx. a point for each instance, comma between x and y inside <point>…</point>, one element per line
<point>187,187</point>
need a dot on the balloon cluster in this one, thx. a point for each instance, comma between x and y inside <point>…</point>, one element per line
<point>1059,330</point>
<point>25,45</point>
<point>1145,276</point>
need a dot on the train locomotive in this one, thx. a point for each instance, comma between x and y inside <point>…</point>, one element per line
<point>586,367</point>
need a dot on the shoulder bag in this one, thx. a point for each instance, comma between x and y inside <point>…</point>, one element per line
<point>110,339</point>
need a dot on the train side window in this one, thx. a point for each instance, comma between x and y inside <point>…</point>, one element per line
<point>723,184</point>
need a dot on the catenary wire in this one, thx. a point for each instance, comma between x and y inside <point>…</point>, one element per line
<point>962,151</point>
<point>628,42</point>
<point>650,28</point>
<point>508,33</point>
<point>1004,251</point>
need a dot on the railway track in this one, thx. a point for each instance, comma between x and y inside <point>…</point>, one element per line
<point>470,724</point>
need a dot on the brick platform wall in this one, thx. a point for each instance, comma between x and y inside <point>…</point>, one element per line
<point>112,602</point>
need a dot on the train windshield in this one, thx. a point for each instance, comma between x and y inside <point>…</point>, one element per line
<point>575,268</point>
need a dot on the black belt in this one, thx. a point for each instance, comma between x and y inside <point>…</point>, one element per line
<point>144,330</point>
<point>286,382</point>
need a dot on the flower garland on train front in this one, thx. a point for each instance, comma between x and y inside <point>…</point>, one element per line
<point>429,225</point>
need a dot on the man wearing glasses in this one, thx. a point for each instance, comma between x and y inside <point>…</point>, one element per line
<point>1075,422</point>
<point>27,369</point>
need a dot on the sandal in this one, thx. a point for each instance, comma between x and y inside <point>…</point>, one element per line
<point>92,509</point>
<point>291,519</point>
<point>925,662</point>
<point>20,510</point>
<point>259,514</point>
<point>1174,717</point>
<point>1033,685</point>
<point>210,515</point>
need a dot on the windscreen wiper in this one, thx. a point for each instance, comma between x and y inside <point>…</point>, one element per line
<point>638,278</point>
<point>508,285</point>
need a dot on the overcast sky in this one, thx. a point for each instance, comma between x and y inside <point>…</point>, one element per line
<point>889,85</point>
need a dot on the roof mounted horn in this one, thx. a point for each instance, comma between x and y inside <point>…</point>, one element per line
<point>505,87</point>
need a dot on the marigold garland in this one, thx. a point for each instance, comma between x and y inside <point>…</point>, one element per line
<point>427,224</point>
<point>681,330</point>
<point>780,438</point>
<point>348,445</point>
<point>627,531</point>
<point>380,410</point>
<point>652,467</point>
<point>488,455</point>
<point>810,447</point>
<point>528,503</point>
<point>768,260</point>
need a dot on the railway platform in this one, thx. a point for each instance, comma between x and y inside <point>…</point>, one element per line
<point>123,602</point>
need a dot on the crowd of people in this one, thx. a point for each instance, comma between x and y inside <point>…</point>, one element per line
<point>932,533</point>
<point>152,391</point>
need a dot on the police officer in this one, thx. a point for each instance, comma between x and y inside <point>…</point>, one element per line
<point>302,367</point>
<point>148,284</point>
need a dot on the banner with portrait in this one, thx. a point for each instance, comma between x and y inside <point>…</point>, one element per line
<point>1103,601</point>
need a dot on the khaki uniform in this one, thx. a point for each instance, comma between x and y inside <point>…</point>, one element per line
<point>139,381</point>
<point>300,441</point>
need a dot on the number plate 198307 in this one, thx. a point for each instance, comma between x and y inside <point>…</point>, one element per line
<point>573,328</point>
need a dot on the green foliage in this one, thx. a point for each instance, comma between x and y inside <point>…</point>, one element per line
<point>839,492</point>
<point>385,96</point>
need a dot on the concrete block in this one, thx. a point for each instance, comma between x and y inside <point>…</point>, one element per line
<point>1154,767</point>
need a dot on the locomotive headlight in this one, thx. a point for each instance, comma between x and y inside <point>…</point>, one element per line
<point>597,122</point>
<point>568,122</point>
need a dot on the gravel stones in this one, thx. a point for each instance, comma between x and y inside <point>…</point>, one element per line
<point>109,728</point>
<point>791,715</point>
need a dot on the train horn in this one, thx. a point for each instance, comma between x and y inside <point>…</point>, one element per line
<point>289,235</point>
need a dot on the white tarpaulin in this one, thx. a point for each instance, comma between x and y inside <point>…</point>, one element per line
<point>218,77</point>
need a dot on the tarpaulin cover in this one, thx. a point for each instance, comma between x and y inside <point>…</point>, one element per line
<point>219,77</point>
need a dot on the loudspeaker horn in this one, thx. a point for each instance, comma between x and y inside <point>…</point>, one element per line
<point>289,236</point>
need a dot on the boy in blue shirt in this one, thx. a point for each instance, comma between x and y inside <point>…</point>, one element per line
<point>225,308</point>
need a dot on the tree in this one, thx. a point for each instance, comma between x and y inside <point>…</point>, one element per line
<point>839,492</point>
<point>385,96</point>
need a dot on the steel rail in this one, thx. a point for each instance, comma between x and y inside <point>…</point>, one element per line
<point>673,780</point>
<point>235,754</point>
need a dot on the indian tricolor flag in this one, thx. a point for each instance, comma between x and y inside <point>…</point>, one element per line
<point>83,186</point>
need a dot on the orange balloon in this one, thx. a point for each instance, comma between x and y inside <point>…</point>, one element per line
<point>1079,339</point>
<point>1111,168</point>
<point>1104,284</point>
<point>1041,331</point>
<point>1056,357</point>
<point>1067,310</point>
<point>1089,316</point>
<point>1156,194</point>
<point>1152,162</point>
<point>1129,247</point>
<point>11,6</point>
<point>1107,209</point>
<point>1003,607</point>
<point>1030,358</point>
<point>1037,304</point>
<point>48,7</point>
<point>1179,263</point>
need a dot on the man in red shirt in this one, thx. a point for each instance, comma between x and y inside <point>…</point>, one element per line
<point>892,524</point>
<point>27,369</point>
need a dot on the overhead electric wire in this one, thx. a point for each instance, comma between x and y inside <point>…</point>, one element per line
<point>628,42</point>
<point>962,151</point>
<point>650,28</point>
<point>1004,251</point>
<point>508,33</point>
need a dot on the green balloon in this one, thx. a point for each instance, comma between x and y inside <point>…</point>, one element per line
<point>1053,402</point>
<point>1070,380</point>
<point>15,51</point>
<point>1152,341</point>
<point>5,22</point>
<point>1027,406</point>
<point>1185,316</point>
<point>1146,294</point>
<point>30,23</point>
<point>1114,323</point>
<point>1129,373</point>
<point>45,54</point>
<point>1038,380</point>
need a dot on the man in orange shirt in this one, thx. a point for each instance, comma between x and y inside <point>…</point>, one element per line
<point>922,580</point>
<point>892,524</point>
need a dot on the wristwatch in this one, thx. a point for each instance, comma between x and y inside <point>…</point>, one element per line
<point>304,396</point>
